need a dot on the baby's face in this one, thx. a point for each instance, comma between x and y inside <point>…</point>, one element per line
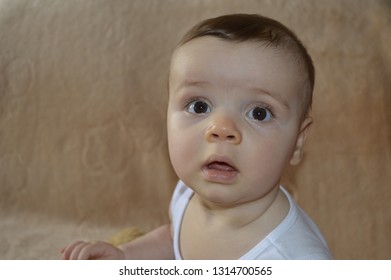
<point>233,118</point>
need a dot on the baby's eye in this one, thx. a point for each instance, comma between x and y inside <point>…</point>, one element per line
<point>260,113</point>
<point>198,107</point>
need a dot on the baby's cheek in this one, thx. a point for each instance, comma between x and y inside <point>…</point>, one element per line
<point>177,148</point>
<point>263,161</point>
<point>184,158</point>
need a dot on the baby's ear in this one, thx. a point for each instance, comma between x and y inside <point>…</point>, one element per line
<point>298,152</point>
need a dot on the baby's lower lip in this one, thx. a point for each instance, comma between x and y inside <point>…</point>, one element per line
<point>219,172</point>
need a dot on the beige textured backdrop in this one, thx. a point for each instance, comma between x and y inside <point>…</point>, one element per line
<point>82,118</point>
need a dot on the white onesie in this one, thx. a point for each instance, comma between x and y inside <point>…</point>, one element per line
<point>296,237</point>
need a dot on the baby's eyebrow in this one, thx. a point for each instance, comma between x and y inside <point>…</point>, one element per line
<point>195,83</point>
<point>275,96</point>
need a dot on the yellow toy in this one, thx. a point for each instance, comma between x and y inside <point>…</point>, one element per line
<point>125,236</point>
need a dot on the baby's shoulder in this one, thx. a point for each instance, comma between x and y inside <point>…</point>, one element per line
<point>297,236</point>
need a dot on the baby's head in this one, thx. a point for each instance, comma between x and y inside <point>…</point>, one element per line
<point>240,90</point>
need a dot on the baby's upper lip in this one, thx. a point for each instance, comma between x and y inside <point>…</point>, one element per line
<point>220,159</point>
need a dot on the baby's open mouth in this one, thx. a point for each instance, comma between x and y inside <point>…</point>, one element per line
<point>221,166</point>
<point>220,170</point>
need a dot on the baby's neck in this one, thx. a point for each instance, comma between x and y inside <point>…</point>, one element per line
<point>214,232</point>
<point>240,215</point>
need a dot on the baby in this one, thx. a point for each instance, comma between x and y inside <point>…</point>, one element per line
<point>240,92</point>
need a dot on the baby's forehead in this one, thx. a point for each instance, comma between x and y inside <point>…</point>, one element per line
<point>286,52</point>
<point>251,52</point>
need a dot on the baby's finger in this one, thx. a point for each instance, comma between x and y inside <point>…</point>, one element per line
<point>75,254</point>
<point>94,251</point>
<point>66,251</point>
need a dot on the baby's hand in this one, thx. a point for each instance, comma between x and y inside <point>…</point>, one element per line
<point>92,251</point>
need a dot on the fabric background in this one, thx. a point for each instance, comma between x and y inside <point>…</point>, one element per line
<point>83,92</point>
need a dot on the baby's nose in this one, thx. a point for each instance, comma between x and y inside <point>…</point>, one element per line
<point>223,128</point>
